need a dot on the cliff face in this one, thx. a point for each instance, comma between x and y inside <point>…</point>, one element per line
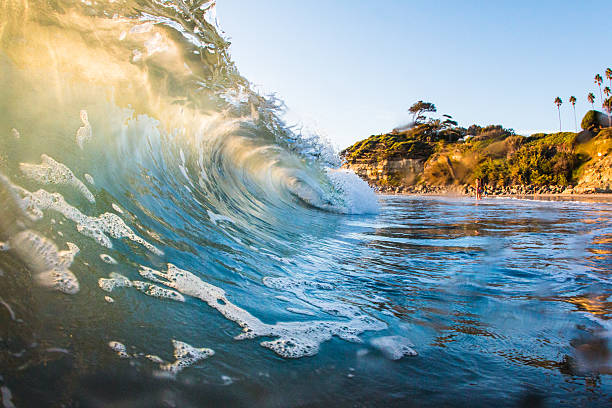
<point>574,162</point>
<point>597,176</point>
<point>404,171</point>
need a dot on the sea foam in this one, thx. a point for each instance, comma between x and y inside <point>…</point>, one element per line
<point>52,172</point>
<point>357,196</point>
<point>294,339</point>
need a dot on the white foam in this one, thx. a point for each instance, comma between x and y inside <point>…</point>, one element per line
<point>52,172</point>
<point>394,347</point>
<point>186,355</point>
<point>94,227</point>
<point>84,133</point>
<point>157,291</point>
<point>48,265</point>
<point>108,259</point>
<point>117,280</point>
<point>154,358</point>
<point>117,208</point>
<point>89,179</point>
<point>294,339</point>
<point>59,279</point>
<point>109,299</point>
<point>357,196</point>
<point>15,133</point>
<point>119,348</point>
<point>227,380</point>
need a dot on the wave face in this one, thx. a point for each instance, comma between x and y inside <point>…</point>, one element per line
<point>135,157</point>
<point>167,240</point>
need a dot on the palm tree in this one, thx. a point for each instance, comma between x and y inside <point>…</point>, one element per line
<point>591,99</point>
<point>598,81</point>
<point>609,75</point>
<point>607,105</point>
<point>607,91</point>
<point>558,102</point>
<point>572,100</point>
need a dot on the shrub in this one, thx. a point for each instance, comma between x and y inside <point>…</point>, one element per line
<point>593,120</point>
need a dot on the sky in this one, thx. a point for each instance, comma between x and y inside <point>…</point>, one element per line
<point>351,68</point>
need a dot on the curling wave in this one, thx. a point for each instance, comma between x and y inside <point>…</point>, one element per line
<point>128,129</point>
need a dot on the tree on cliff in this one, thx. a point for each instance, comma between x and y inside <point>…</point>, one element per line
<point>607,105</point>
<point>598,81</point>
<point>419,108</point>
<point>558,102</point>
<point>572,100</point>
<point>591,99</point>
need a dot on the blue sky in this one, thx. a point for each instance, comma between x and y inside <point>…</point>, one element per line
<point>352,68</point>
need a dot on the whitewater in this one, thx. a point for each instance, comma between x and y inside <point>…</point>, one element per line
<point>166,239</point>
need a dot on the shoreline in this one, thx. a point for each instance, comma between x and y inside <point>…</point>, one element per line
<point>602,197</point>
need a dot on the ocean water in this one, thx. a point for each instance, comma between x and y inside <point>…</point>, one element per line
<point>166,239</point>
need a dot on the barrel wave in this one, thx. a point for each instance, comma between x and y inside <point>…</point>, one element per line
<point>167,239</point>
<point>130,139</point>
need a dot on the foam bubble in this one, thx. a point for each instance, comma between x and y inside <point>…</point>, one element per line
<point>154,358</point>
<point>295,339</point>
<point>52,172</point>
<point>59,279</point>
<point>157,291</point>
<point>394,347</point>
<point>94,227</point>
<point>89,179</point>
<point>186,355</point>
<point>109,299</point>
<point>48,264</point>
<point>119,348</point>
<point>117,208</point>
<point>108,259</point>
<point>84,133</point>
<point>117,280</point>
<point>15,133</point>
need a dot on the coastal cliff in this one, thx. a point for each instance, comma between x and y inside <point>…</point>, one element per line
<point>423,159</point>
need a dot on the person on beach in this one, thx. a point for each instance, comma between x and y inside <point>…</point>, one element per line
<point>478,189</point>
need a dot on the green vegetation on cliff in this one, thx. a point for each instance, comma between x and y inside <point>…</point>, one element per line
<point>542,159</point>
<point>448,154</point>
<point>389,145</point>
